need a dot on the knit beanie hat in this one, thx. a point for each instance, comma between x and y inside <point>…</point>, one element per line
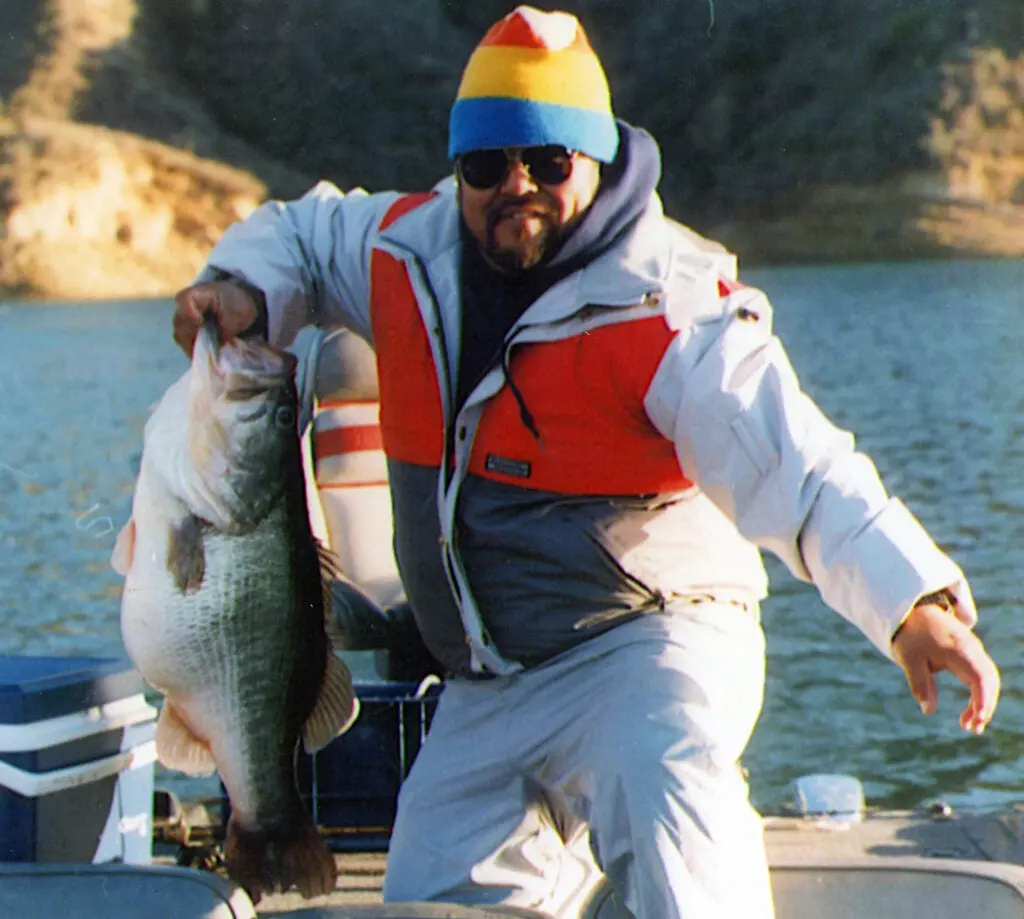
<point>534,80</point>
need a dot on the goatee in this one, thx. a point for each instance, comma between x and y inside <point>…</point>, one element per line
<point>525,255</point>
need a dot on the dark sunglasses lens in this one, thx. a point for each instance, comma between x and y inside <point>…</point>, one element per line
<point>549,165</point>
<point>483,168</point>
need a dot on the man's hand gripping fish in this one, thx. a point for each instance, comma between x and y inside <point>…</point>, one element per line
<point>223,608</point>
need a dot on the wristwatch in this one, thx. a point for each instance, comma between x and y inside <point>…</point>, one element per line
<point>945,599</point>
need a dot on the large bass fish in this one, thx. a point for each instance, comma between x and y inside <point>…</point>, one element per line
<point>223,609</point>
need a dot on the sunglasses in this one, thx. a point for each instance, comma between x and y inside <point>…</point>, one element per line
<point>548,165</point>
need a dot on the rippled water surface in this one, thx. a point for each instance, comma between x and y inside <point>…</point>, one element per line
<point>925,362</point>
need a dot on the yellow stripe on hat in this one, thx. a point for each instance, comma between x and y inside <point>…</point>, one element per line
<point>568,77</point>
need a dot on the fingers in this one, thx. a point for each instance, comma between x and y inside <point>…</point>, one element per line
<point>190,305</point>
<point>233,306</point>
<point>971,664</point>
<point>922,687</point>
<point>931,641</point>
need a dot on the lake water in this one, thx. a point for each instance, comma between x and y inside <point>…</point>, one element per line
<point>925,362</point>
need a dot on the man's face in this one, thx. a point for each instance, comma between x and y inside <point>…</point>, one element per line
<point>517,205</point>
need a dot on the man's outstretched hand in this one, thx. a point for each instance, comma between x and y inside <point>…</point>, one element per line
<point>931,640</point>
<point>235,307</point>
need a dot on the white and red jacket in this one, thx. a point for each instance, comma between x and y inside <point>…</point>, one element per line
<point>669,439</point>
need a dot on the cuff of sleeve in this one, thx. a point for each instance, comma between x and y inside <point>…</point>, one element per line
<point>893,564</point>
<point>955,598</point>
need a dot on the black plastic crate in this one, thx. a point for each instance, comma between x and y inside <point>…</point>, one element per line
<point>351,786</point>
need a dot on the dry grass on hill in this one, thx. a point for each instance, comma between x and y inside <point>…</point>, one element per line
<point>91,212</point>
<point>116,179</point>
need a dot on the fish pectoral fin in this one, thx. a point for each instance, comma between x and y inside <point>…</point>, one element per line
<point>177,746</point>
<point>124,549</point>
<point>336,709</point>
<point>186,555</point>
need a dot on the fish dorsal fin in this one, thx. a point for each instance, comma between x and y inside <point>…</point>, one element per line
<point>330,571</point>
<point>329,563</point>
<point>337,706</point>
<point>336,709</point>
<point>177,747</point>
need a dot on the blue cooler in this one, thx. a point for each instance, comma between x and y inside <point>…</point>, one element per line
<point>351,786</point>
<point>76,761</point>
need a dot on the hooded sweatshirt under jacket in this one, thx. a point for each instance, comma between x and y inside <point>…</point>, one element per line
<point>633,441</point>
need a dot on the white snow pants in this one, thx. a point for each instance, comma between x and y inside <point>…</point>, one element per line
<point>635,736</point>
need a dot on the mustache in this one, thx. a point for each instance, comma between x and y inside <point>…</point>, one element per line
<point>500,209</point>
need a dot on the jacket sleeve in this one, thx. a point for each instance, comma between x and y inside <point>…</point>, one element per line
<point>792,482</point>
<point>310,257</point>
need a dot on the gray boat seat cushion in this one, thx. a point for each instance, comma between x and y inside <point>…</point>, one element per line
<point>899,888</point>
<point>411,911</point>
<point>47,891</point>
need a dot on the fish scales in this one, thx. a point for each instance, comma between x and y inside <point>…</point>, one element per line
<point>223,609</point>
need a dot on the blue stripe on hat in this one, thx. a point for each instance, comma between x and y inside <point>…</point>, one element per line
<point>487,123</point>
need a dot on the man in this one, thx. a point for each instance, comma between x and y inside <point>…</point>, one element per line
<point>591,432</point>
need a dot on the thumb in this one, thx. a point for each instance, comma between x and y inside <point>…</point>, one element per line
<point>190,306</point>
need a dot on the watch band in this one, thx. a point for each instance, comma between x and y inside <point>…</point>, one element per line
<point>945,599</point>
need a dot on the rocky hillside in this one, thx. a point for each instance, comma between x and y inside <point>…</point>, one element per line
<point>132,132</point>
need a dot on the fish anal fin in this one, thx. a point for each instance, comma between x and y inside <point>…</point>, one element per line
<point>186,555</point>
<point>124,549</point>
<point>177,747</point>
<point>336,709</point>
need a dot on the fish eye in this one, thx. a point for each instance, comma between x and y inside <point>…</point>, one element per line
<point>284,417</point>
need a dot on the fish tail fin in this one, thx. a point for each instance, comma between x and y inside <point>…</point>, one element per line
<point>245,855</point>
<point>304,861</point>
<point>260,860</point>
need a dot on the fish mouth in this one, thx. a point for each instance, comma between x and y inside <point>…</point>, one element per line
<point>241,368</point>
<point>240,389</point>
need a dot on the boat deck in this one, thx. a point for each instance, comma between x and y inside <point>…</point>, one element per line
<point>938,833</point>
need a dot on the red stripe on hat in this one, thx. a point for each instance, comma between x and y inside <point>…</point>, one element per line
<point>516,30</point>
<point>353,439</point>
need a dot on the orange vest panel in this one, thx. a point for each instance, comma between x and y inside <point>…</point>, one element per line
<point>585,395</point>
<point>411,418</point>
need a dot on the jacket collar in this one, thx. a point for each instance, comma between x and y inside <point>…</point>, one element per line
<point>636,268</point>
<point>431,230</point>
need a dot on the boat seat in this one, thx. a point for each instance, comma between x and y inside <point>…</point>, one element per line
<point>52,891</point>
<point>411,911</point>
<point>899,888</point>
<point>880,888</point>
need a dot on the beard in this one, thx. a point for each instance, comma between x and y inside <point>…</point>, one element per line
<point>529,251</point>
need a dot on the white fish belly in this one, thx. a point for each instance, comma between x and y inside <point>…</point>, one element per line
<point>226,655</point>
